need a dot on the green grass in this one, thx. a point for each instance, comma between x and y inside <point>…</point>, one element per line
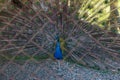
<point>24,58</point>
<point>38,58</point>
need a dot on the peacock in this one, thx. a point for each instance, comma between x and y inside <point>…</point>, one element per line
<point>29,29</point>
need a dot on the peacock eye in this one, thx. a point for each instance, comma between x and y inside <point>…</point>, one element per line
<point>106,1</point>
<point>100,11</point>
<point>90,6</point>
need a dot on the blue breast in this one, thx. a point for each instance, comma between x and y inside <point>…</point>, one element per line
<point>58,51</point>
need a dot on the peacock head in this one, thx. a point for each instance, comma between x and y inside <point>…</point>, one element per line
<point>57,37</point>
